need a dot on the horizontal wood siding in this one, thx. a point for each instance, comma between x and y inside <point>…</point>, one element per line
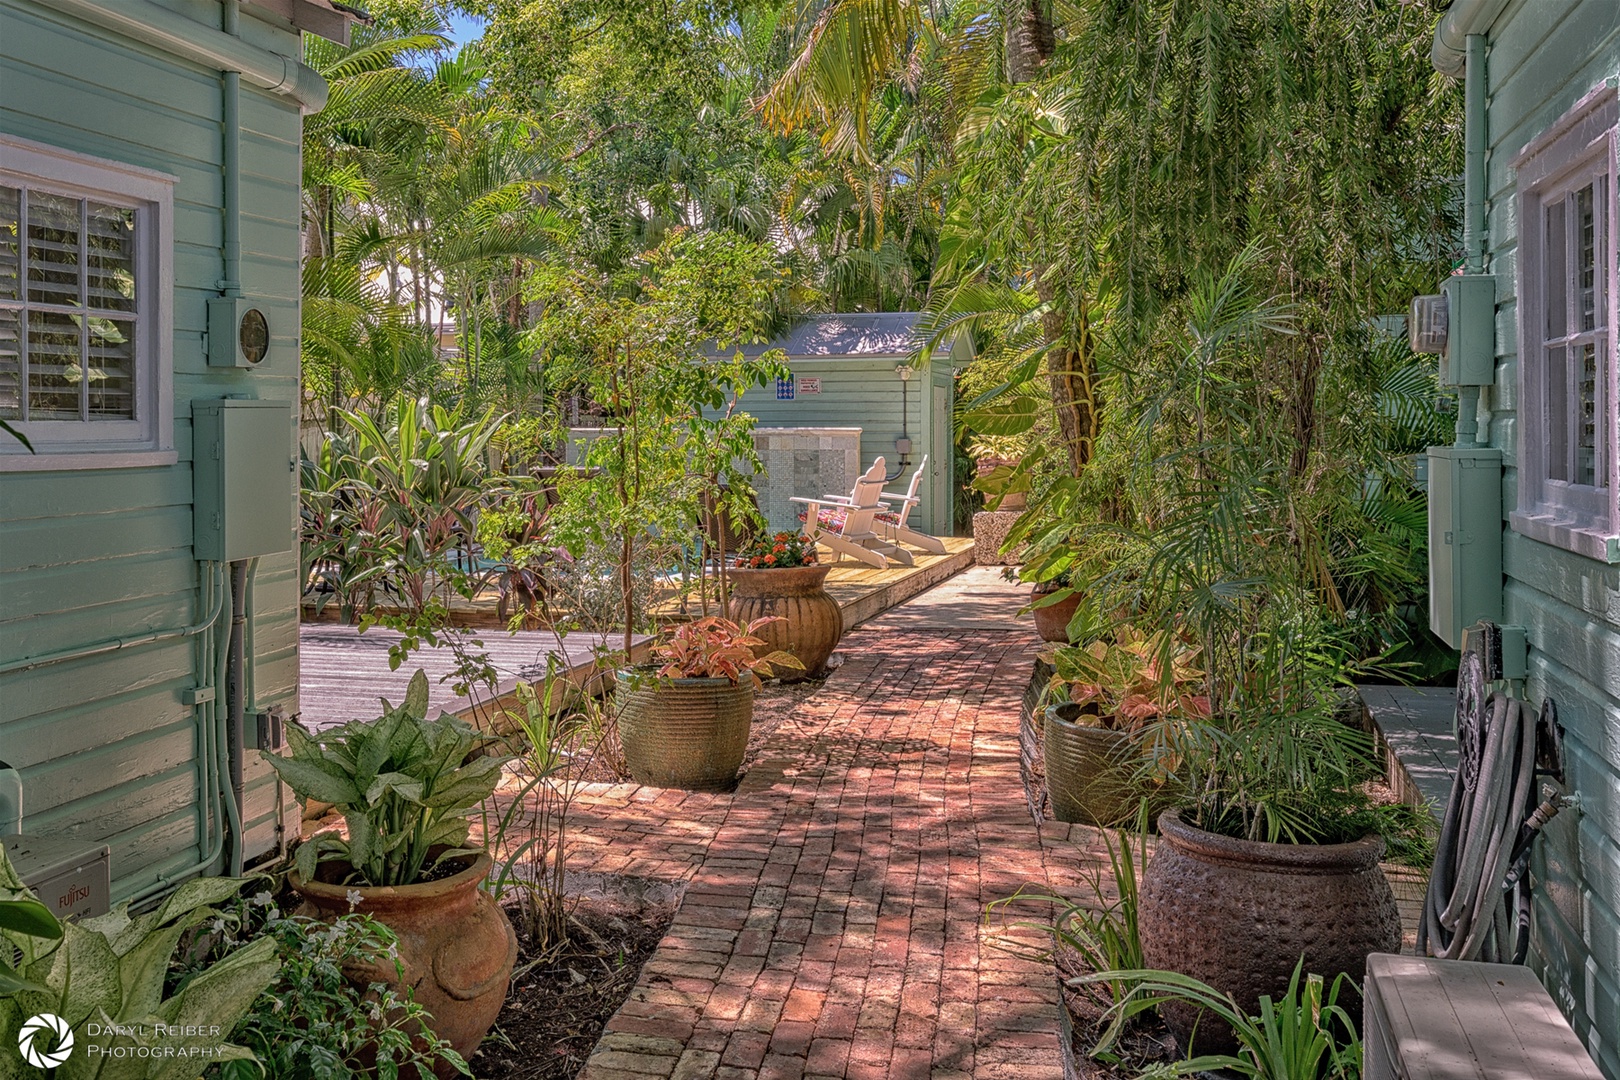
<point>1544,56</point>
<point>107,747</point>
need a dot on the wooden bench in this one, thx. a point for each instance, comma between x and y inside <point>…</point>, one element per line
<point>1453,1020</point>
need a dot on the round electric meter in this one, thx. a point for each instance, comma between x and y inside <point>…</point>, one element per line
<point>254,335</point>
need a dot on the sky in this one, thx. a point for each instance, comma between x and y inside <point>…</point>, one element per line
<point>465,28</point>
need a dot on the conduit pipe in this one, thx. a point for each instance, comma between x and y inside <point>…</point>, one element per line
<point>1474,145</point>
<point>145,21</point>
<point>230,155</point>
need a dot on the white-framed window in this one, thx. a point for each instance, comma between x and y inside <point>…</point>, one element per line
<point>86,310</point>
<point>1569,452</point>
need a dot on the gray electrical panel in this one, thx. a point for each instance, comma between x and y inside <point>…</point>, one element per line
<point>1470,356</point>
<point>70,877</point>
<point>1465,539</point>
<point>245,478</point>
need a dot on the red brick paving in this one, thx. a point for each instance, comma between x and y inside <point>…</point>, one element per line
<point>833,921</point>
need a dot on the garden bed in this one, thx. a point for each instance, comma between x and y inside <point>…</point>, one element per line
<point>559,1003</point>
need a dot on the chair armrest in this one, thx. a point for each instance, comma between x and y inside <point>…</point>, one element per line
<point>901,498</point>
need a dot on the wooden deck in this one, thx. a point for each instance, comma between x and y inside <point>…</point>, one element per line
<point>343,673</point>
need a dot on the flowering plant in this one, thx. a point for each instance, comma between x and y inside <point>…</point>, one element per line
<point>715,648</point>
<point>783,550</point>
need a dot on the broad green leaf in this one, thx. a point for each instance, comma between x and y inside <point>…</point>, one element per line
<point>24,916</point>
<point>416,696</point>
<point>200,893</point>
<point>219,997</point>
<point>310,782</point>
<point>362,837</point>
<point>406,787</point>
<point>1007,416</point>
<point>13,982</point>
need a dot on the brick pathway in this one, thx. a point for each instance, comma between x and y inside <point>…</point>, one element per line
<point>833,919</point>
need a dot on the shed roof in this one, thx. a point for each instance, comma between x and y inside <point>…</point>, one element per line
<point>854,334</point>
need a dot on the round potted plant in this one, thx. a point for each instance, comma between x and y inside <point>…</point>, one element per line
<point>685,724</point>
<point>1108,743</point>
<point>406,789</point>
<point>1280,836</point>
<point>1053,603</point>
<point>778,578</point>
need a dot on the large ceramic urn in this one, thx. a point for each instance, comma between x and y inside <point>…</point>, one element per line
<point>812,622</point>
<point>456,946</point>
<point>685,733</point>
<point>1238,914</point>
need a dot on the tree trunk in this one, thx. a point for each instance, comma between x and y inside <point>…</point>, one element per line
<point>1030,38</point>
<point>1072,376</point>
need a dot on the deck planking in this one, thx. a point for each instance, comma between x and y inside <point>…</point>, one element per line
<point>343,673</point>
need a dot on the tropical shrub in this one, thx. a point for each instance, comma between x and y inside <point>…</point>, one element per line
<point>316,1022</point>
<point>1131,681</point>
<point>402,782</point>
<point>112,971</point>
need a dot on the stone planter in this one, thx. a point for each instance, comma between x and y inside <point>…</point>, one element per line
<point>1238,914</point>
<point>456,945</point>
<point>799,595</point>
<point>686,733</point>
<point>1052,621</point>
<point>1091,772</point>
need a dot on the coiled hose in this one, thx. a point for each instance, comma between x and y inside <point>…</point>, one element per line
<point>1478,903</point>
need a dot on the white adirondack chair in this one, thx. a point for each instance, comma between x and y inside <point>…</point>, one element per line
<point>892,522</point>
<point>848,525</point>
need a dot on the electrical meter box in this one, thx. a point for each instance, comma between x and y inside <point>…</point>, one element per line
<point>71,877</point>
<point>1465,539</point>
<point>1470,330</point>
<point>245,478</point>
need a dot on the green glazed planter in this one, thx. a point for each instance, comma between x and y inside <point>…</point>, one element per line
<point>686,733</point>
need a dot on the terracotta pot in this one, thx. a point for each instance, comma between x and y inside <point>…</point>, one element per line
<point>686,733</point>
<point>1052,621</point>
<point>1091,772</point>
<point>1238,914</point>
<point>455,943</point>
<point>799,595</point>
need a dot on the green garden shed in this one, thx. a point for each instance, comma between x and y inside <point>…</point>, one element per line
<point>149,314</point>
<point>870,371</point>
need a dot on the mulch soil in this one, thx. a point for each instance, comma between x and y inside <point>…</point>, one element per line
<point>559,1003</point>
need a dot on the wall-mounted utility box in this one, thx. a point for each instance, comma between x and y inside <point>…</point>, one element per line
<point>238,332</point>
<point>1470,356</point>
<point>71,877</point>
<point>1465,539</point>
<point>245,478</point>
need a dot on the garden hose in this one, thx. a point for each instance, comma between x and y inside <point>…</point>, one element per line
<point>1478,902</point>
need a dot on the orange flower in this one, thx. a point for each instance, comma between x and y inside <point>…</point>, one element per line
<point>770,560</point>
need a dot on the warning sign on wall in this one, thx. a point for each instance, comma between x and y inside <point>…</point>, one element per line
<point>810,385</point>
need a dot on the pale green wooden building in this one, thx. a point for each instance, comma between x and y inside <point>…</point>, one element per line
<point>1539,390</point>
<point>868,370</point>
<point>149,290</point>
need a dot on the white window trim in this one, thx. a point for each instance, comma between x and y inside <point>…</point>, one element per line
<point>149,438</point>
<point>1582,137</point>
